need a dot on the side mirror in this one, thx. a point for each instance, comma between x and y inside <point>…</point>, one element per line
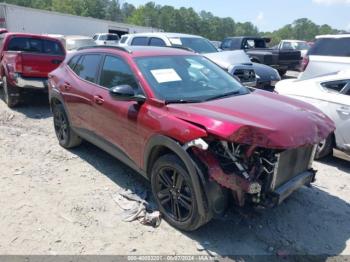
<point>126,93</point>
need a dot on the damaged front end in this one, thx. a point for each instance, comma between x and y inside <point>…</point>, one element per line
<point>255,175</point>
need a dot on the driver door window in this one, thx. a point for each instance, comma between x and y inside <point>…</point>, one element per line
<point>116,72</point>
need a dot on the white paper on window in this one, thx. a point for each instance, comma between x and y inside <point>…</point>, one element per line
<point>165,75</point>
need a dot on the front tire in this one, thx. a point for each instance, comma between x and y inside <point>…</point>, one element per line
<point>11,97</point>
<point>67,138</point>
<point>175,194</point>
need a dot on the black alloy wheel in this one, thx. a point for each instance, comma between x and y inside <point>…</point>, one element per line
<point>174,194</point>
<point>61,126</point>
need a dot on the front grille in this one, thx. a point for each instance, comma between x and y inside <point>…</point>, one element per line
<point>245,75</point>
<point>291,163</point>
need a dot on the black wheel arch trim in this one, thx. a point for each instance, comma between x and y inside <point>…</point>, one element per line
<point>195,173</point>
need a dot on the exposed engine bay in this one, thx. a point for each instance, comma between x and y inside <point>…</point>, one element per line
<point>254,174</point>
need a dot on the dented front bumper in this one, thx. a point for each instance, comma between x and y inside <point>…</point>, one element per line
<point>285,190</point>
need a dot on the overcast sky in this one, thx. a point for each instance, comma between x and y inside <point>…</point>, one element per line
<point>269,15</point>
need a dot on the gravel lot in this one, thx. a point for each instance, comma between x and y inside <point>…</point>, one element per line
<point>55,201</point>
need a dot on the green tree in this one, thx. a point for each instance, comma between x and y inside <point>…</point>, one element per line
<point>113,11</point>
<point>127,10</point>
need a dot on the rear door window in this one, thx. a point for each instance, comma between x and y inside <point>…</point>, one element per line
<point>155,41</point>
<point>87,67</point>
<point>331,47</point>
<point>112,37</point>
<point>140,41</point>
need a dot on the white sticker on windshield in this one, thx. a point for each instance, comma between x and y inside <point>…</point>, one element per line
<point>175,41</point>
<point>165,75</point>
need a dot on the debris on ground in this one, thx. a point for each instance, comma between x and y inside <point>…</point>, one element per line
<point>136,207</point>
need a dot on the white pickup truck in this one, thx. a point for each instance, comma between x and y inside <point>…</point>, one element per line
<point>329,54</point>
<point>299,45</point>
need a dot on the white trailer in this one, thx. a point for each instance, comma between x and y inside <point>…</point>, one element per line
<point>28,20</point>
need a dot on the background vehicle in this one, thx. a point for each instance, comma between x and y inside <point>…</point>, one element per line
<point>329,54</point>
<point>3,30</point>
<point>331,94</point>
<point>26,60</point>
<point>236,62</point>
<point>169,114</point>
<point>217,44</point>
<point>299,45</point>
<point>106,39</point>
<point>73,42</point>
<point>256,48</point>
<point>266,76</point>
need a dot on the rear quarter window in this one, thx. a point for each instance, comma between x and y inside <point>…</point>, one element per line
<point>155,41</point>
<point>123,39</point>
<point>73,62</point>
<point>331,47</point>
<point>336,86</point>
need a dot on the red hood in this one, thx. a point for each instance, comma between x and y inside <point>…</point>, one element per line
<point>260,118</point>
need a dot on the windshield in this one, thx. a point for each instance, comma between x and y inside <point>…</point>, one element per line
<point>197,44</point>
<point>187,78</point>
<point>78,43</point>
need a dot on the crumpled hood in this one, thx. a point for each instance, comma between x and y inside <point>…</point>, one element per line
<point>226,59</point>
<point>261,118</point>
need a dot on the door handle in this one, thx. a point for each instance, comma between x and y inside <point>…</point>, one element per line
<point>344,111</point>
<point>99,100</point>
<point>67,86</point>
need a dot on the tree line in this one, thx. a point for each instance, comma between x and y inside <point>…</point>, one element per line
<point>182,20</point>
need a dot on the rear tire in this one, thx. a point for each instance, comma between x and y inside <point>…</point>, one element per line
<point>67,138</point>
<point>325,147</point>
<point>11,94</point>
<point>175,194</point>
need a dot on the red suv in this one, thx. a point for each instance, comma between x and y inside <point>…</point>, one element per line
<point>188,126</point>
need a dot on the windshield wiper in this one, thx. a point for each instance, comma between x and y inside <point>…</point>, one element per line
<point>223,95</point>
<point>181,101</point>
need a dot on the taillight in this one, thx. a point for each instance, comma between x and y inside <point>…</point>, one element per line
<point>18,63</point>
<point>304,63</point>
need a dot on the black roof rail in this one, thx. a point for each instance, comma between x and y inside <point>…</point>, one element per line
<point>121,48</point>
<point>182,47</point>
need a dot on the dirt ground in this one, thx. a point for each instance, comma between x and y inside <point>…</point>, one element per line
<point>55,201</point>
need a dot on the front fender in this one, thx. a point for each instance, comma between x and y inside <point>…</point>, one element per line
<point>160,140</point>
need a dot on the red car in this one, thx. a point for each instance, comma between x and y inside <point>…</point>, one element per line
<point>26,60</point>
<point>188,126</point>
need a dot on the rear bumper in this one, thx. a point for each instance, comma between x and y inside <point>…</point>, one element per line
<point>288,65</point>
<point>31,83</point>
<point>285,190</point>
